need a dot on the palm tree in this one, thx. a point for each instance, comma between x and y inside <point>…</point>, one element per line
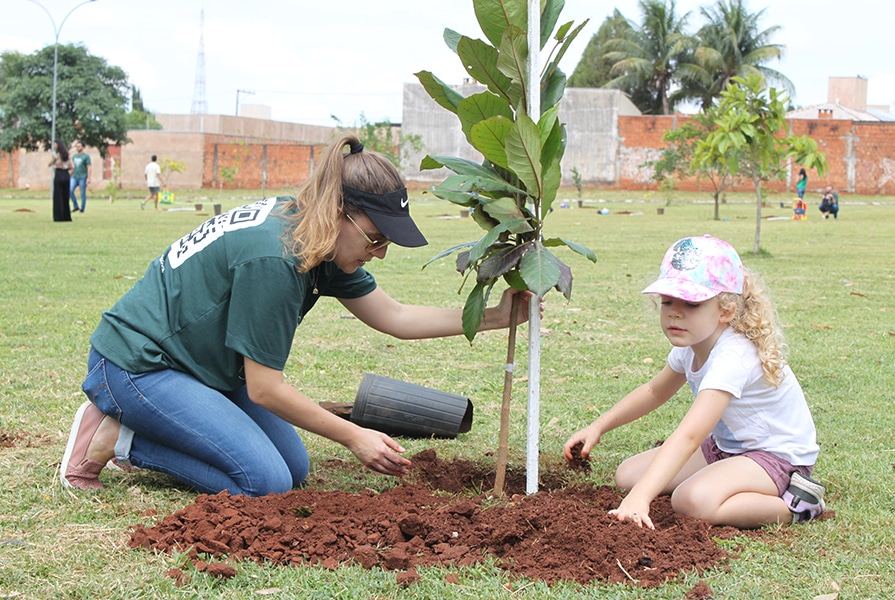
<point>649,57</point>
<point>731,44</point>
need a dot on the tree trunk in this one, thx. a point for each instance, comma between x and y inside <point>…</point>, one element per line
<point>504,441</point>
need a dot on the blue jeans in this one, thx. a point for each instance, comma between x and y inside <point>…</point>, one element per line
<point>75,182</point>
<point>213,441</point>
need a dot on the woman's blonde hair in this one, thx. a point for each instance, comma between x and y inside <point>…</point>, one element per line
<point>315,226</point>
<point>755,317</point>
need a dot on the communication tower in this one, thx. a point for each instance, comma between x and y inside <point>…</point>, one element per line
<point>200,104</point>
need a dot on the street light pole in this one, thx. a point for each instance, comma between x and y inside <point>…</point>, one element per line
<point>57,30</point>
<point>237,98</point>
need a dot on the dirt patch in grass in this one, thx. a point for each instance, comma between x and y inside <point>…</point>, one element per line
<point>438,516</point>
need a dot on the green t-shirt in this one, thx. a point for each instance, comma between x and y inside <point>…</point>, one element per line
<point>80,161</point>
<point>227,290</point>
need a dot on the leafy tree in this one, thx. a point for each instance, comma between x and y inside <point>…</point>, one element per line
<point>511,191</point>
<point>676,160</point>
<point>139,117</point>
<point>650,57</point>
<point>593,70</point>
<point>90,99</point>
<point>751,139</point>
<point>732,44</point>
<point>383,138</point>
<point>170,166</point>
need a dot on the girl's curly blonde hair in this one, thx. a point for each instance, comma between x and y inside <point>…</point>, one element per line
<point>755,316</point>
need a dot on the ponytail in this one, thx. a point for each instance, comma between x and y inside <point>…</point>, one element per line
<point>319,203</point>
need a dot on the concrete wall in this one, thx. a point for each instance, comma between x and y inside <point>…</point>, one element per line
<point>247,127</point>
<point>590,115</point>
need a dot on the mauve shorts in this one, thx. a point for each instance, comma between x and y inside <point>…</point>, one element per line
<point>779,470</point>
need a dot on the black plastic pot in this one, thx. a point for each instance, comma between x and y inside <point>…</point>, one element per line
<point>405,409</point>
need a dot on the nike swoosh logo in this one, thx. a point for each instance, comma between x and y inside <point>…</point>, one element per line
<point>404,202</point>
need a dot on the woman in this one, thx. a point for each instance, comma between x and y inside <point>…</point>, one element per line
<point>802,183</point>
<point>61,181</point>
<point>185,374</point>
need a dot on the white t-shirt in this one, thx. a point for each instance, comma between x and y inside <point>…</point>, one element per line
<point>152,174</point>
<point>759,416</point>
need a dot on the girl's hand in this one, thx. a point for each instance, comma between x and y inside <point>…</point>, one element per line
<point>634,511</point>
<point>587,437</point>
<point>377,451</point>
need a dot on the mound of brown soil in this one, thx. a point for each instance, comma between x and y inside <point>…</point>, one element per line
<point>431,519</point>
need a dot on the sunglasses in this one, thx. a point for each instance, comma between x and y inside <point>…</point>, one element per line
<point>373,244</point>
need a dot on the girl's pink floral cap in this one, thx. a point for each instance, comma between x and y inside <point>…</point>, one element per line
<point>698,268</point>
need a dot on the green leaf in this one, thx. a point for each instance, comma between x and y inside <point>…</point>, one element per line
<point>549,16</point>
<point>481,61</point>
<point>488,137</point>
<point>483,219</point>
<point>553,89</point>
<point>494,16</point>
<point>513,56</point>
<point>552,181</point>
<point>461,166</point>
<point>575,246</point>
<point>523,144</point>
<point>540,269</point>
<point>564,284</point>
<point>481,177</point>
<point>547,123</point>
<point>474,310</point>
<point>439,91</point>
<point>478,107</point>
<point>567,41</point>
<point>514,280</point>
<point>500,262</point>
<point>467,199</point>
<point>505,210</point>
<point>481,247</point>
<point>450,250</point>
<point>462,262</point>
<point>451,38</point>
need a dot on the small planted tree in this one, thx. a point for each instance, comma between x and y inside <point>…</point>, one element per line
<point>510,192</point>
<point>170,166</point>
<point>750,138</point>
<point>677,160</point>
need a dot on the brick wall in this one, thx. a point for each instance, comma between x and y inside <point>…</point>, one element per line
<point>860,155</point>
<point>268,165</point>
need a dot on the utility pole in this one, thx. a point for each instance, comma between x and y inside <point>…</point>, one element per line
<point>237,98</point>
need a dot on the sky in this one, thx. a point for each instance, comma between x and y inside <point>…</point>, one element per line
<point>312,60</point>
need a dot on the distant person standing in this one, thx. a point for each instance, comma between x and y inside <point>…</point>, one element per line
<point>153,173</point>
<point>802,183</point>
<point>80,176</point>
<point>61,181</point>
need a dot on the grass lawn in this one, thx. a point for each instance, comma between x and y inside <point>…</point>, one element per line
<point>833,282</point>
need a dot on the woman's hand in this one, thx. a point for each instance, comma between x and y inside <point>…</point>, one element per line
<point>587,437</point>
<point>635,511</point>
<point>498,317</point>
<point>379,452</point>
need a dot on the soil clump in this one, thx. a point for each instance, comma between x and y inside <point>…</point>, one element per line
<point>438,516</point>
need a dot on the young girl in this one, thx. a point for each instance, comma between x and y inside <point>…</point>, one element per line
<point>185,373</point>
<point>743,453</point>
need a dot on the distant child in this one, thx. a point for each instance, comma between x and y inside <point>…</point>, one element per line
<point>743,453</point>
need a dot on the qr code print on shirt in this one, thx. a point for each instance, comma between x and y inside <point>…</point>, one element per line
<point>241,217</point>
